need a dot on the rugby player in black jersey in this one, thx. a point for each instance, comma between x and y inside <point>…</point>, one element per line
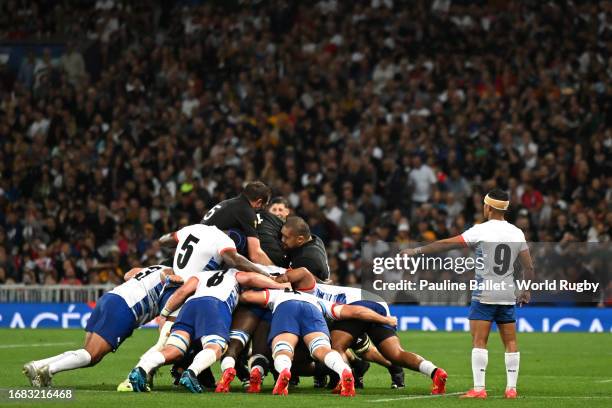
<point>270,223</point>
<point>306,253</point>
<point>237,216</point>
<point>304,249</point>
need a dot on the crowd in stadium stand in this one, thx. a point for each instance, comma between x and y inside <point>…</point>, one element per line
<point>381,121</point>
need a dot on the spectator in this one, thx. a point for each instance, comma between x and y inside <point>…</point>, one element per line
<point>26,71</point>
<point>385,99</point>
<point>422,180</point>
<point>69,272</point>
<point>73,64</point>
<point>351,217</point>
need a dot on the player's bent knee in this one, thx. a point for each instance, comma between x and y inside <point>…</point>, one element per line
<point>217,343</point>
<point>178,341</point>
<point>259,360</point>
<point>95,356</point>
<point>340,347</point>
<point>282,347</point>
<point>341,343</point>
<point>362,347</point>
<point>241,336</point>
<point>317,343</point>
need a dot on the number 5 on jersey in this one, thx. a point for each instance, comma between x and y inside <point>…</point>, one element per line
<point>186,251</point>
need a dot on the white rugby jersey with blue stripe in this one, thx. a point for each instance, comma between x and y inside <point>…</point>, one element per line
<point>346,295</point>
<point>276,297</point>
<point>218,284</point>
<point>200,248</point>
<point>142,293</point>
<point>497,244</point>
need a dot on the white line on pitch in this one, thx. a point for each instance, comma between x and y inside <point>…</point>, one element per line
<point>559,396</point>
<point>7,346</point>
<point>411,397</point>
<point>604,381</point>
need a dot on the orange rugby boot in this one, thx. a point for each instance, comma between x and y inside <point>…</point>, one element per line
<point>282,383</point>
<point>438,385</point>
<point>482,394</point>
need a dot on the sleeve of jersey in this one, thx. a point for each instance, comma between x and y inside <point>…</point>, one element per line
<point>328,309</point>
<point>334,313</point>
<point>471,236</point>
<point>269,298</point>
<point>177,235</point>
<point>248,222</point>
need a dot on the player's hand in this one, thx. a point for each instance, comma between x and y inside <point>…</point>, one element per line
<point>281,279</point>
<point>409,252</point>
<point>392,321</point>
<point>174,280</point>
<point>524,297</point>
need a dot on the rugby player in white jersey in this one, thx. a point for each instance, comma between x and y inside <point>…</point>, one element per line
<point>297,315</point>
<point>205,316</point>
<point>384,337</point>
<point>499,244</point>
<point>199,248</point>
<point>302,280</point>
<point>116,315</point>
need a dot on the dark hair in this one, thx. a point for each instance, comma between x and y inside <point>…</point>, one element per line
<point>498,194</point>
<point>256,190</point>
<point>298,225</point>
<point>279,200</point>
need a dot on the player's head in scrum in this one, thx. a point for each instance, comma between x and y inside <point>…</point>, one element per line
<point>496,202</point>
<point>295,232</point>
<point>280,207</point>
<point>258,194</point>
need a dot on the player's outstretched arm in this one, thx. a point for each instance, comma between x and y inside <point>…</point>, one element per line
<point>255,297</point>
<point>254,280</point>
<point>234,260</point>
<point>438,246</point>
<point>343,312</point>
<point>179,297</point>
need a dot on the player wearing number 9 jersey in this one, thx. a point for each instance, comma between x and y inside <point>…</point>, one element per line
<point>114,318</point>
<point>498,244</point>
<point>206,315</point>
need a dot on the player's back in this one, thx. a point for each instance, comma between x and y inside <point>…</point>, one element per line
<point>311,255</point>
<point>497,244</point>
<point>346,295</point>
<point>200,248</point>
<point>220,284</point>
<point>269,230</point>
<point>233,213</point>
<point>142,293</point>
<point>277,297</point>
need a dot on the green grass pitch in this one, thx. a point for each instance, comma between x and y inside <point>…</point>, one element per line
<point>557,370</point>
